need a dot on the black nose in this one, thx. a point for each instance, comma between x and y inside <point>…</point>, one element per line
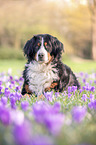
<point>41,55</point>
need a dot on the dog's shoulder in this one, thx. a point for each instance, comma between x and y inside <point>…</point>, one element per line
<point>62,68</point>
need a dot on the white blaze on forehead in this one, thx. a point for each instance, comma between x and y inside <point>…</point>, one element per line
<point>43,51</point>
<point>42,42</point>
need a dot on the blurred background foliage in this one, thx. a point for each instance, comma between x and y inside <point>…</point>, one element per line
<point>68,20</point>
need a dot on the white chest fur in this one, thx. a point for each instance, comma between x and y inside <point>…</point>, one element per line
<point>40,76</point>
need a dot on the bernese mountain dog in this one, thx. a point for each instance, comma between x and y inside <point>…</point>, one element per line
<point>44,70</point>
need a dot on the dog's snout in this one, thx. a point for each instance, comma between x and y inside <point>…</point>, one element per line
<point>41,55</point>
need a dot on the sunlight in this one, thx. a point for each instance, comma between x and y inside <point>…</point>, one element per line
<point>83,2</point>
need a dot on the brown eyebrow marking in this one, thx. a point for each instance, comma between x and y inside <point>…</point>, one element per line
<point>45,43</point>
<point>38,44</point>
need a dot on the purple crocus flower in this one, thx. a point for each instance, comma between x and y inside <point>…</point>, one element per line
<point>17,88</point>
<point>74,88</point>
<point>81,74</point>
<point>12,95</point>
<point>91,97</point>
<point>24,105</point>
<point>56,107</point>
<point>1,105</point>
<point>5,117</point>
<point>13,102</point>
<point>84,97</point>
<point>40,109</point>
<point>18,96</point>
<point>4,100</point>
<point>54,122</point>
<point>49,116</point>
<point>22,133</point>
<point>90,105</point>
<point>13,82</point>
<point>57,94</point>
<point>95,82</point>
<point>78,113</point>
<point>83,88</point>
<point>92,88</point>
<point>94,104</point>
<point>41,140</point>
<point>11,86</point>
<point>84,80</point>
<point>91,81</point>
<point>6,92</point>
<point>17,117</point>
<point>80,90</point>
<point>69,89</point>
<point>21,79</point>
<point>87,87</point>
<point>1,90</point>
<point>0,83</point>
<point>86,75</point>
<point>11,78</point>
<point>16,79</point>
<point>69,95</point>
<point>48,95</point>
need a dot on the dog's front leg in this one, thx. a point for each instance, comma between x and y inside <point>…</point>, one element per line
<point>53,85</point>
<point>25,89</point>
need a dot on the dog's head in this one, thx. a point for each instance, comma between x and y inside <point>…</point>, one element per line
<point>42,48</point>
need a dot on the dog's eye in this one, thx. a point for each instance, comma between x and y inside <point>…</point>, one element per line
<point>38,44</point>
<point>45,43</point>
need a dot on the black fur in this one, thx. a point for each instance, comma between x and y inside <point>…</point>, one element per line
<point>55,48</point>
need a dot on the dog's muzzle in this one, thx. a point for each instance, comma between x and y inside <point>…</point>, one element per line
<point>41,57</point>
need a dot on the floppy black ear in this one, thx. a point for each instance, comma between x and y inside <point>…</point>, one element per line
<point>58,48</point>
<point>29,48</point>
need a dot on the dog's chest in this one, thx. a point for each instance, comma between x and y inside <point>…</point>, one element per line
<point>40,76</point>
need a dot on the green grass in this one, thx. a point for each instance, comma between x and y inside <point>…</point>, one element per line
<point>86,66</point>
<point>72,132</point>
<point>76,65</point>
<point>16,65</point>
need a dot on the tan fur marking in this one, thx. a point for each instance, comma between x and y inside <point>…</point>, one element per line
<point>53,85</point>
<point>35,57</point>
<point>45,43</point>
<point>27,89</point>
<point>49,56</point>
<point>38,44</point>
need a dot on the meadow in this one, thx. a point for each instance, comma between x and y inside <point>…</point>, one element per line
<point>67,118</point>
<point>76,64</point>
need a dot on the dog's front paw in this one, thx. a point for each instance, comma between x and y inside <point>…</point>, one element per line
<point>41,97</point>
<point>27,89</point>
<point>53,85</point>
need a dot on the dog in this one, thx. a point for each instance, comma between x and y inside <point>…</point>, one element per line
<point>44,70</point>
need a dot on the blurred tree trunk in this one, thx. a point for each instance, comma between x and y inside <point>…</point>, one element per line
<point>94,35</point>
<point>92,6</point>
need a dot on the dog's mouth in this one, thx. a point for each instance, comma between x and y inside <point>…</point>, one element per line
<point>41,58</point>
<point>42,61</point>
<point>46,62</point>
